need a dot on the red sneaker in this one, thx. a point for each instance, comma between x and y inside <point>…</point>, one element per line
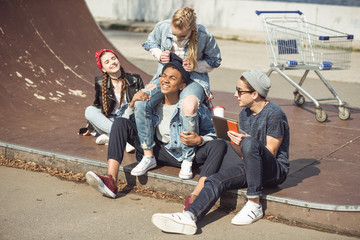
<point>189,200</point>
<point>104,185</point>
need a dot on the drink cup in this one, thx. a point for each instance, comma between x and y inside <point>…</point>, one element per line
<point>219,111</point>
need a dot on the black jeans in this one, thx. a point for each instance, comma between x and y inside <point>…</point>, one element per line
<point>207,157</point>
<point>258,169</point>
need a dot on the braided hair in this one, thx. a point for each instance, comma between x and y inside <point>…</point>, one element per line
<point>123,86</point>
<point>105,79</point>
<point>186,18</point>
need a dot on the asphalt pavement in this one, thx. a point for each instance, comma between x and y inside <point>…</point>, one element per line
<point>38,206</point>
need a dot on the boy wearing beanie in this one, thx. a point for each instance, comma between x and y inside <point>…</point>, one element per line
<point>260,158</point>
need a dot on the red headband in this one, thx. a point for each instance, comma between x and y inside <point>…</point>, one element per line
<point>98,54</point>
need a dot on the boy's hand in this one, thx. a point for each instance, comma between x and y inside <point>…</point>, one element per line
<point>139,96</point>
<point>236,138</point>
<point>190,138</point>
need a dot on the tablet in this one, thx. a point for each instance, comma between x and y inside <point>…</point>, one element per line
<point>223,125</point>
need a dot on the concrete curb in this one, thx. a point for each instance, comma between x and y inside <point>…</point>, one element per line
<point>341,218</point>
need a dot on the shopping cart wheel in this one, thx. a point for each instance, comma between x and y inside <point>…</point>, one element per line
<point>299,99</point>
<point>344,113</point>
<point>321,115</point>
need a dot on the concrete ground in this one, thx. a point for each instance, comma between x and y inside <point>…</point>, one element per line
<point>39,206</point>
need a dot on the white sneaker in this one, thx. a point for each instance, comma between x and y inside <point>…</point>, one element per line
<point>186,172</point>
<point>248,214</point>
<point>174,223</point>
<point>144,165</point>
<point>103,139</point>
<point>129,148</point>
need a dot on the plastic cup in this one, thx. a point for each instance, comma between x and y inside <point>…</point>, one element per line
<point>219,111</point>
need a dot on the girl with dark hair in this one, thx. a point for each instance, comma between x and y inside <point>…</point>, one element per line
<point>114,91</point>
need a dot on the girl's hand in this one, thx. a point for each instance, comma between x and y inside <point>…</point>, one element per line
<point>139,96</point>
<point>236,138</point>
<point>165,57</point>
<point>87,133</point>
<point>190,138</point>
<point>186,65</point>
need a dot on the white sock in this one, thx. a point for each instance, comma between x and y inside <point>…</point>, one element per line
<point>152,158</point>
<point>189,215</point>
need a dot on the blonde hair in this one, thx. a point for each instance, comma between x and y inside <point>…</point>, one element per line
<point>185,18</point>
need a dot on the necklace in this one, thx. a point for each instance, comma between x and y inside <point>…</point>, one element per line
<point>265,103</point>
<point>115,79</point>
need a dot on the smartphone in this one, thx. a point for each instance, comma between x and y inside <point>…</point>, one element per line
<point>233,126</point>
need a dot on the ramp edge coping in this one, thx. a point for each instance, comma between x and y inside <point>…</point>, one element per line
<point>284,200</point>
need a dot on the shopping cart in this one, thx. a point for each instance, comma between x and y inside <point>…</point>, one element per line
<point>292,43</point>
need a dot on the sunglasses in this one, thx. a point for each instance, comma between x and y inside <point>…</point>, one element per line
<point>240,92</point>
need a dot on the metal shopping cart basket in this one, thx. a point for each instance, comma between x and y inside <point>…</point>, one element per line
<point>292,43</point>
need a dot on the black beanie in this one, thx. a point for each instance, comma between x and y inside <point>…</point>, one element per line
<point>176,62</point>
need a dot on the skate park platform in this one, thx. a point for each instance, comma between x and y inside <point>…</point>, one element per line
<point>47,71</point>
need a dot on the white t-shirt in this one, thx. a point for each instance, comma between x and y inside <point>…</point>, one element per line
<point>118,96</point>
<point>163,128</point>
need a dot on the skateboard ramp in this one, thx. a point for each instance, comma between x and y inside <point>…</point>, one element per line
<point>47,70</point>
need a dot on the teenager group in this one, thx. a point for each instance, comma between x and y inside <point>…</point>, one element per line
<point>168,122</point>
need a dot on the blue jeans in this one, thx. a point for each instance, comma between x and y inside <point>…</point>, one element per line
<point>144,112</point>
<point>100,122</point>
<point>259,168</point>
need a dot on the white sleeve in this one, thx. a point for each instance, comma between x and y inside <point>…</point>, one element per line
<point>206,139</point>
<point>203,67</point>
<point>156,52</point>
<point>128,112</point>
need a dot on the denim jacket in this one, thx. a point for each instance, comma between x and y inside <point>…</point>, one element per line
<point>175,146</point>
<point>208,50</point>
